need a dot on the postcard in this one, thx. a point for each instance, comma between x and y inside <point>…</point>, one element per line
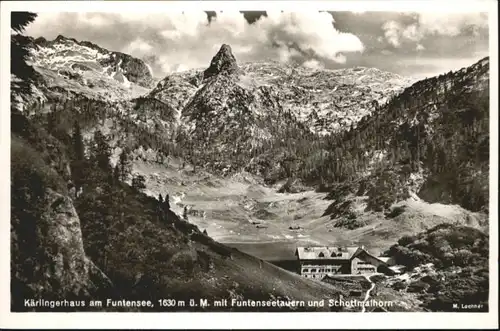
<point>236,164</point>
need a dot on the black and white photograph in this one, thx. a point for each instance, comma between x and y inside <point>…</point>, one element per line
<point>217,159</point>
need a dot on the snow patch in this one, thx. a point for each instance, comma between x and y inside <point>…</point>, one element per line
<point>416,180</point>
<point>150,69</point>
<point>176,199</point>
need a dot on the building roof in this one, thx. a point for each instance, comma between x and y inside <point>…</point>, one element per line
<point>384,258</point>
<point>326,253</point>
<point>360,252</point>
<point>334,253</point>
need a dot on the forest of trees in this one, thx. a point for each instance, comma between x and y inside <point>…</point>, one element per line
<point>449,248</point>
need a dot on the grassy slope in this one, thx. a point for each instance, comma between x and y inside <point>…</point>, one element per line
<point>177,261</point>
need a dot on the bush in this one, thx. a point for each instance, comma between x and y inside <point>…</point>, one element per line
<point>30,175</point>
<point>462,257</point>
<point>339,208</point>
<point>349,223</point>
<point>444,245</point>
<point>396,211</point>
<point>447,246</point>
<point>139,182</point>
<point>399,286</point>
<point>406,240</point>
<point>431,280</point>
<point>418,287</point>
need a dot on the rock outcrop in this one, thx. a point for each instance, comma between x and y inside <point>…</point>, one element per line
<point>223,62</point>
<point>48,258</point>
<point>134,69</point>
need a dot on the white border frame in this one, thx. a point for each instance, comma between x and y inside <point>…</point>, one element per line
<point>242,320</point>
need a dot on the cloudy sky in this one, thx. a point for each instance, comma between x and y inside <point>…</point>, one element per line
<point>413,44</point>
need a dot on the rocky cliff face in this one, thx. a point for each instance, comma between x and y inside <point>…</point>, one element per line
<point>134,69</point>
<point>48,259</point>
<point>86,68</point>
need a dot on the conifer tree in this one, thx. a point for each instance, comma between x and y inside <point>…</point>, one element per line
<point>101,152</point>
<point>52,120</point>
<point>139,182</point>
<point>167,202</point>
<point>124,165</point>
<point>78,163</point>
<point>78,146</point>
<point>116,174</point>
<point>19,52</point>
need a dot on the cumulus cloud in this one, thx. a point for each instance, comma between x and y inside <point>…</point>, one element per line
<point>178,41</point>
<point>138,46</point>
<point>429,24</point>
<point>392,32</point>
<point>451,24</point>
<point>313,64</point>
<point>427,67</point>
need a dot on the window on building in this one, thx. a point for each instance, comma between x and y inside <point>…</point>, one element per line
<point>313,270</point>
<point>363,262</point>
<point>305,270</point>
<point>321,254</point>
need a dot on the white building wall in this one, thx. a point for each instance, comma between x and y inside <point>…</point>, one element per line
<point>359,266</point>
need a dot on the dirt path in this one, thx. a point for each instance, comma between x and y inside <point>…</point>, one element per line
<point>367,296</point>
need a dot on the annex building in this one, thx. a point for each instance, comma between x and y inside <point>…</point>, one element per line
<point>318,262</point>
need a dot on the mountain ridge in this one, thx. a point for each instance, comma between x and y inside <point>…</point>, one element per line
<point>86,68</point>
<point>359,135</point>
<point>258,101</point>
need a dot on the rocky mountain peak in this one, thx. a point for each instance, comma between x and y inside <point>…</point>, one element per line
<point>62,39</point>
<point>92,70</point>
<point>223,62</point>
